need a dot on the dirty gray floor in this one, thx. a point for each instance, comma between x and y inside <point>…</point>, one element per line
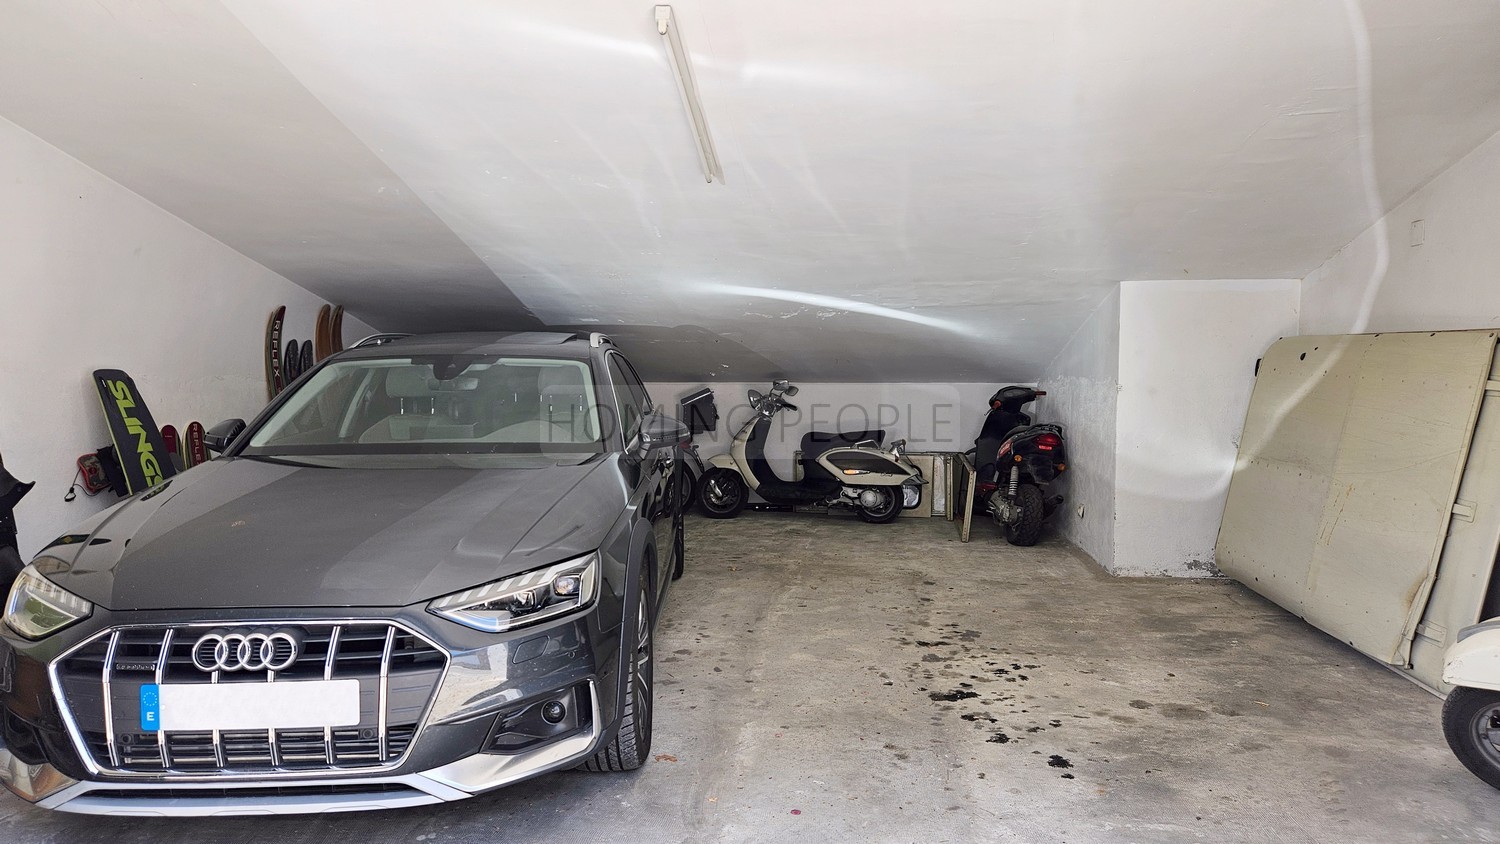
<point>826,680</point>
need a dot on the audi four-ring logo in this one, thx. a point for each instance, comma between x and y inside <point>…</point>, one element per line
<point>255,651</point>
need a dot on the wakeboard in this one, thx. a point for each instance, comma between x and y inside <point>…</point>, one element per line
<point>138,442</point>
<point>196,450</point>
<point>274,381</point>
<point>174,444</point>
<point>291,359</point>
<point>323,334</point>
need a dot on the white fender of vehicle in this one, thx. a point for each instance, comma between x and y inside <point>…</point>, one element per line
<point>1474,660</point>
<point>899,473</point>
<point>721,461</point>
<point>911,468</point>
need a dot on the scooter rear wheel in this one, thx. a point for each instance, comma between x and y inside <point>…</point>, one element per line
<point>887,511</point>
<point>1027,527</point>
<point>722,493</point>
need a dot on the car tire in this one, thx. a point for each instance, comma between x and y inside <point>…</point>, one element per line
<point>1468,716</point>
<point>631,745</point>
<point>687,490</point>
<point>886,514</point>
<point>1028,525</point>
<point>722,493</point>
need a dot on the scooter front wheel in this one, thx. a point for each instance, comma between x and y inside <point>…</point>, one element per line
<point>722,493</point>
<point>1471,723</point>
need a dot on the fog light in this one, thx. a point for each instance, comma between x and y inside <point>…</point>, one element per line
<point>564,712</point>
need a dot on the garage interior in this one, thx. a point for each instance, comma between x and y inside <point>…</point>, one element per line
<point>1146,210</point>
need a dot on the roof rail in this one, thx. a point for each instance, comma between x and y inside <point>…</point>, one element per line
<point>378,340</point>
<point>597,339</point>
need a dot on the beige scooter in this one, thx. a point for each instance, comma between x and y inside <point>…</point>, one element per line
<point>1471,714</point>
<point>877,483</point>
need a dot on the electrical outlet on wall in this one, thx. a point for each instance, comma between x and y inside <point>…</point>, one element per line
<point>1418,232</point>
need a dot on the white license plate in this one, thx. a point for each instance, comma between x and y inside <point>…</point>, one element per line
<point>290,705</point>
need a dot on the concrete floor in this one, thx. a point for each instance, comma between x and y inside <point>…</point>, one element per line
<point>823,679</point>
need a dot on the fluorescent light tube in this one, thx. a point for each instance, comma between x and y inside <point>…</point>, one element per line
<point>687,87</point>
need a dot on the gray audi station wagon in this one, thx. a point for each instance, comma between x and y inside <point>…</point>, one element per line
<point>431,567</point>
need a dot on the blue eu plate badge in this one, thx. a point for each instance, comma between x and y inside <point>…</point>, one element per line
<point>150,707</point>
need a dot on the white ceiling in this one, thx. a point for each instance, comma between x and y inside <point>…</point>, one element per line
<point>912,192</point>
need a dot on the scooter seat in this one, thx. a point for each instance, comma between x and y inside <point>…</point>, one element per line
<point>814,443</point>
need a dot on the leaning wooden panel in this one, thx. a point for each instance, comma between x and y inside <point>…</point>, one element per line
<point>1405,442</point>
<point>1468,562</point>
<point>1355,446</point>
<point>1272,540</point>
<point>1287,454</point>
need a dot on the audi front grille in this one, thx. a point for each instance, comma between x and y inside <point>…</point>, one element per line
<point>398,673</point>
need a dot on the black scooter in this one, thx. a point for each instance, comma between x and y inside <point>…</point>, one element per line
<point>12,490</point>
<point>1016,462</point>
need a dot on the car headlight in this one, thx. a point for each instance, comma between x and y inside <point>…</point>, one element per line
<point>37,607</point>
<point>524,599</point>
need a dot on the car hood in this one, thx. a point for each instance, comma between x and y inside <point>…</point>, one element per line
<point>248,533</point>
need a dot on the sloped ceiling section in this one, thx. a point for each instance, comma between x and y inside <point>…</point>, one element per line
<point>938,191</point>
<point>178,101</point>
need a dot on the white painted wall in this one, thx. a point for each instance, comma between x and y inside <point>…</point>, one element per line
<point>1187,366</point>
<point>930,417</point>
<point>1082,386</point>
<point>1380,282</point>
<point>93,276</point>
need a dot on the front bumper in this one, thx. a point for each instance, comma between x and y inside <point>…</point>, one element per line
<point>48,757</point>
<point>477,773</point>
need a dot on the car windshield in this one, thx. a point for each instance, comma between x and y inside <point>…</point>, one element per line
<point>438,405</point>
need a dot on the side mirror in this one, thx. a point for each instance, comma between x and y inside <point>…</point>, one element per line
<point>659,430</point>
<point>221,435</point>
<point>789,391</point>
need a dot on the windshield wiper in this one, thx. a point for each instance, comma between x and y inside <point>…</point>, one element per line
<point>280,461</point>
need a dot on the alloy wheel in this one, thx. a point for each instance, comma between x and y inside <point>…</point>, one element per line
<point>640,690</point>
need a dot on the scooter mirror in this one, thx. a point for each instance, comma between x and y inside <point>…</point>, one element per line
<point>790,391</point>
